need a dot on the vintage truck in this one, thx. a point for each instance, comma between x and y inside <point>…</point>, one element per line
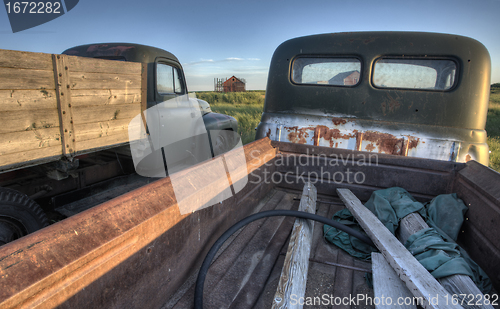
<point>66,123</point>
<point>401,93</point>
<point>144,248</point>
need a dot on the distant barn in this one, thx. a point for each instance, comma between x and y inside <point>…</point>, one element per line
<point>347,78</point>
<point>234,84</point>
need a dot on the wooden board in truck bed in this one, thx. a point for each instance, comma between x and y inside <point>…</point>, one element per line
<point>59,105</point>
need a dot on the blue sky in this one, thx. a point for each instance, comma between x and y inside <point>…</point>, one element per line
<point>225,38</point>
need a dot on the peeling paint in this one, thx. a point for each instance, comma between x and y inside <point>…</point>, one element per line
<point>383,142</point>
<point>370,147</point>
<point>331,134</point>
<point>297,135</point>
<point>338,121</point>
<point>413,142</point>
<point>386,143</point>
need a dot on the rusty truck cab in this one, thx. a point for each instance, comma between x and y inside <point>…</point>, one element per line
<point>404,93</point>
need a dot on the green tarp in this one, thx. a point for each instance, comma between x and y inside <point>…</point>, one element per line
<point>434,248</point>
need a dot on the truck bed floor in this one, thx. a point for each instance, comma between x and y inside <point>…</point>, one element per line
<point>247,272</point>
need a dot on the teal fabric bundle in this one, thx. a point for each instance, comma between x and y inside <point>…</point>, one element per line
<point>434,248</point>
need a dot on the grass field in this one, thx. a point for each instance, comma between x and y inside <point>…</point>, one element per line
<point>493,127</point>
<point>246,107</point>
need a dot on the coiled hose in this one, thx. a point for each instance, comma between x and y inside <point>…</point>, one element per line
<point>200,281</point>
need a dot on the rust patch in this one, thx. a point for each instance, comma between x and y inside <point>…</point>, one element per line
<point>370,147</point>
<point>387,143</point>
<point>338,121</point>
<point>413,142</point>
<point>468,158</point>
<point>268,134</point>
<point>331,134</point>
<point>297,135</point>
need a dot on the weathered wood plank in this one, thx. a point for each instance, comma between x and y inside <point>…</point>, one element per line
<point>99,97</point>
<point>26,79</point>
<point>27,100</point>
<point>17,121</point>
<point>418,280</point>
<point>14,142</point>
<point>292,284</point>
<point>387,284</point>
<point>26,156</point>
<point>88,131</point>
<point>25,60</point>
<point>104,141</point>
<point>83,80</point>
<point>93,65</point>
<point>64,108</point>
<point>466,292</point>
<point>105,113</point>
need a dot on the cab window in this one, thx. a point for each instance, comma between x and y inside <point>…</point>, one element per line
<point>422,74</point>
<point>333,71</point>
<point>168,79</point>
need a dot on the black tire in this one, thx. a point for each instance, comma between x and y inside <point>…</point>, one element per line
<point>19,215</point>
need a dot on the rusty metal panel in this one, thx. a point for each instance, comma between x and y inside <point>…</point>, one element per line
<point>134,250</point>
<point>345,132</point>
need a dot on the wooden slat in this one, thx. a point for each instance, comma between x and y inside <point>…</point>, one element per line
<point>26,79</point>
<point>82,80</point>
<point>26,156</point>
<point>27,100</point>
<point>105,113</point>
<point>88,131</point>
<point>25,121</point>
<point>64,108</point>
<point>25,60</point>
<point>93,97</point>
<point>92,65</point>
<point>387,284</point>
<point>418,280</point>
<point>466,292</point>
<point>14,142</point>
<point>102,142</point>
<point>292,284</point>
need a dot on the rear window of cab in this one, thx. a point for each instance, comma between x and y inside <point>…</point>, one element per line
<point>388,72</point>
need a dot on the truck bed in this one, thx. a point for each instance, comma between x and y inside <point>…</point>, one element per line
<point>139,251</point>
<point>239,279</point>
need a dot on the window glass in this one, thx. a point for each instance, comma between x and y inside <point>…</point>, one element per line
<point>168,79</point>
<point>177,81</point>
<point>427,74</point>
<point>326,71</point>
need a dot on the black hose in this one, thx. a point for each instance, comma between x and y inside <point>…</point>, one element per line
<point>200,281</point>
